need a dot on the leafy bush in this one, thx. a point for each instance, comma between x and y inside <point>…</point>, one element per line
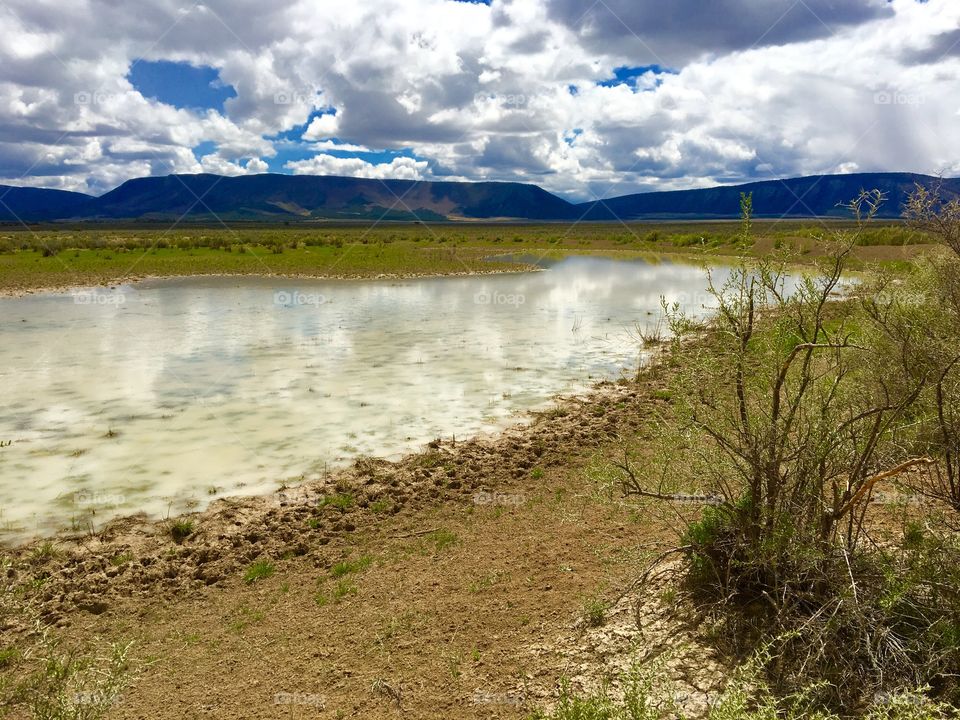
<point>791,407</point>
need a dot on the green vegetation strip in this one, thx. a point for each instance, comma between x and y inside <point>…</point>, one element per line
<point>55,258</point>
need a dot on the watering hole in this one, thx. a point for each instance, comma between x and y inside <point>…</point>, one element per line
<point>163,395</point>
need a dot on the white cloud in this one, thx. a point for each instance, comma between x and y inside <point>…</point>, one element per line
<point>482,92</point>
<point>343,147</point>
<point>322,126</point>
<point>219,166</point>
<point>400,168</point>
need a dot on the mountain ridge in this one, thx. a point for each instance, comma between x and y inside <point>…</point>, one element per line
<point>287,198</point>
<point>807,196</point>
<point>39,204</point>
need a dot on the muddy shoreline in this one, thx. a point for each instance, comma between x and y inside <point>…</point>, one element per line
<point>137,556</point>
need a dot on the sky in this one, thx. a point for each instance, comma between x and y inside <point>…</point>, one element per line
<point>586,99</point>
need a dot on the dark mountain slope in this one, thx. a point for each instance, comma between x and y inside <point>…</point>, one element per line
<point>309,196</point>
<point>24,204</point>
<point>817,195</point>
<point>303,197</point>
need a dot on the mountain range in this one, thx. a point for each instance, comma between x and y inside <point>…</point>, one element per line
<point>291,198</point>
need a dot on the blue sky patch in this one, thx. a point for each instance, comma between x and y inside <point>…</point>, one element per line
<point>207,147</point>
<point>180,84</point>
<point>626,75</point>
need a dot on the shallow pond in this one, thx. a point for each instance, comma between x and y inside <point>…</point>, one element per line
<point>164,395</point>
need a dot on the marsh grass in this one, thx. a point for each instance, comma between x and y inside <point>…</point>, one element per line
<point>381,506</point>
<point>46,678</point>
<point>595,612</point>
<point>243,617</point>
<point>45,551</point>
<point>441,539</point>
<point>344,589</point>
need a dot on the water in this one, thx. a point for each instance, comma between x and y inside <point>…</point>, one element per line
<point>164,395</point>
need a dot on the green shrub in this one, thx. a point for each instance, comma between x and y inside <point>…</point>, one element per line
<point>790,406</point>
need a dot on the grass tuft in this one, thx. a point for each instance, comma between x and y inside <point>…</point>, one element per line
<point>180,529</point>
<point>346,567</point>
<point>259,570</point>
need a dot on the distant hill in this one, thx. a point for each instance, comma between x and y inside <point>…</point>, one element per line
<point>816,195</point>
<point>272,197</point>
<point>286,197</point>
<point>25,204</point>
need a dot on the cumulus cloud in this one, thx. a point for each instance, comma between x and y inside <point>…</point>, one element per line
<point>682,30</point>
<point>342,147</point>
<point>400,168</point>
<point>322,126</point>
<point>734,90</point>
<point>219,166</point>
